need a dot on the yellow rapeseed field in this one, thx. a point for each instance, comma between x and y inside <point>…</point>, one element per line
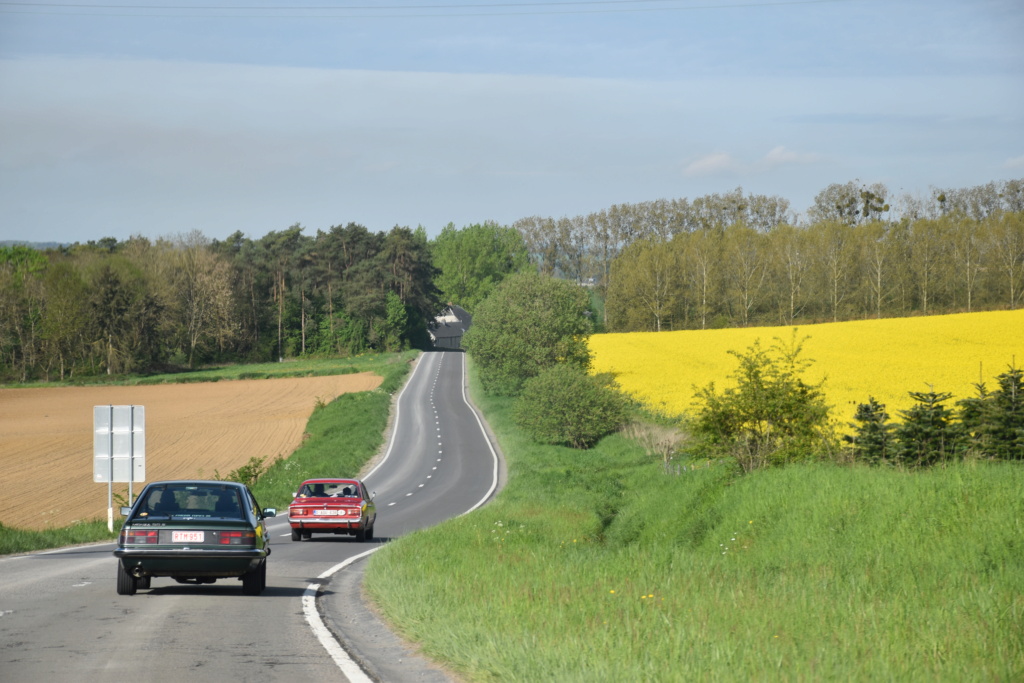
<point>882,358</point>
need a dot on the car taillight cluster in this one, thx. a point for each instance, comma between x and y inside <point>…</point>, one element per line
<point>139,536</point>
<point>237,538</point>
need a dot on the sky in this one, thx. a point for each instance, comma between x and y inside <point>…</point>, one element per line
<point>122,118</point>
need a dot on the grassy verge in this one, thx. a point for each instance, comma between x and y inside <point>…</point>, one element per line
<point>341,437</point>
<point>597,566</point>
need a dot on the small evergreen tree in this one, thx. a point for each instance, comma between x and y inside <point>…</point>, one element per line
<point>976,422</point>
<point>929,432</point>
<point>873,436</point>
<point>1007,416</point>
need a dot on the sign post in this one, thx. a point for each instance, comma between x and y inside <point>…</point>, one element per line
<point>119,449</point>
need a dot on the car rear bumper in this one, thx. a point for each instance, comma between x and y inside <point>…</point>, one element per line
<point>193,562</point>
<point>326,524</point>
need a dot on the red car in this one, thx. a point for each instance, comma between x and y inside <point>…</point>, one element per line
<point>332,506</point>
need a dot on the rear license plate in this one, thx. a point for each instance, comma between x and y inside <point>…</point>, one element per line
<point>329,513</point>
<point>187,536</point>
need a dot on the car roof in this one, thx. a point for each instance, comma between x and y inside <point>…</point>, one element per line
<point>331,481</point>
<point>197,482</point>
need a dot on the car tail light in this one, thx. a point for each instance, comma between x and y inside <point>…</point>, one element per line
<point>237,538</point>
<point>297,512</point>
<point>139,536</point>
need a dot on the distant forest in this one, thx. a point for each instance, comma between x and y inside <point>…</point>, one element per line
<point>140,306</point>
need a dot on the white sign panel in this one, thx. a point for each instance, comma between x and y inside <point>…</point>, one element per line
<point>119,443</point>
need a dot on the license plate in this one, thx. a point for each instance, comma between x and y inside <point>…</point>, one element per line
<point>328,513</point>
<point>186,536</point>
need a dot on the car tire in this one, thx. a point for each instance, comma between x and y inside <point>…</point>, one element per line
<point>369,533</point>
<point>361,534</point>
<point>126,583</point>
<point>143,583</point>
<point>252,582</point>
<point>296,535</point>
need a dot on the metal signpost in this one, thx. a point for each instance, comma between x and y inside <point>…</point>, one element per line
<point>119,449</point>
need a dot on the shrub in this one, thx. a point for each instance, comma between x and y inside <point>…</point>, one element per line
<point>530,322</point>
<point>771,416</point>
<point>565,406</point>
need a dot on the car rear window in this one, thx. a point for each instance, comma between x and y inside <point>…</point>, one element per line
<point>184,500</point>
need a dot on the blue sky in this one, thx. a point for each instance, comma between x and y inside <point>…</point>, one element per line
<point>154,118</point>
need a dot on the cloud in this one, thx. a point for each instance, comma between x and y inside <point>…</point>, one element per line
<point>1015,162</point>
<point>780,156</point>
<point>721,162</point>
<point>712,164</point>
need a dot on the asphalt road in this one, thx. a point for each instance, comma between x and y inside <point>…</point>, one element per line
<point>62,620</point>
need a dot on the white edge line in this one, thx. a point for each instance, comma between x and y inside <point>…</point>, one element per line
<point>494,456</point>
<point>341,658</point>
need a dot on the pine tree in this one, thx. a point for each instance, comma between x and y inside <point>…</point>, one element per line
<point>929,432</point>
<point>1007,416</point>
<point>873,441</point>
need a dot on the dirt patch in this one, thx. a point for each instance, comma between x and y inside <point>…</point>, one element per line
<point>191,430</point>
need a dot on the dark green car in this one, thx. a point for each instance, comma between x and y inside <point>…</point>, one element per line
<point>193,532</point>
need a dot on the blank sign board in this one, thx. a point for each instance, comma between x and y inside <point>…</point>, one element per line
<point>119,443</point>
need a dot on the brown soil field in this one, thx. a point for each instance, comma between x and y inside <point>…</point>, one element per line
<point>191,430</point>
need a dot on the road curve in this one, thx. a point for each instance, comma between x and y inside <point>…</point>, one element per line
<point>61,619</point>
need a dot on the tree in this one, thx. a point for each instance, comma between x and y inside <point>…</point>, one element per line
<point>65,319</point>
<point>529,323</point>
<point>771,416</point>
<point>790,263</point>
<point>127,318</point>
<point>472,261</point>
<point>873,434</point>
<point>646,283</point>
<point>202,296</point>
<point>563,405</point>
<point>746,269</point>
<point>834,262</point>
<point>929,432</point>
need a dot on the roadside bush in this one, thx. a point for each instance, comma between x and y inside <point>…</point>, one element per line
<point>772,416</point>
<point>565,406</point>
<point>530,322</point>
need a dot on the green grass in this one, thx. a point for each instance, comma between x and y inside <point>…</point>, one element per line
<point>597,566</point>
<point>341,437</point>
<point>381,363</point>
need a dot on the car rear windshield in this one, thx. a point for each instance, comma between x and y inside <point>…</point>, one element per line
<point>329,489</point>
<point>191,500</point>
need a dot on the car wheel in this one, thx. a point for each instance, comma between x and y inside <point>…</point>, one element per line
<point>252,582</point>
<point>361,534</point>
<point>306,535</point>
<point>296,535</point>
<point>369,533</point>
<point>126,583</point>
<point>143,583</point>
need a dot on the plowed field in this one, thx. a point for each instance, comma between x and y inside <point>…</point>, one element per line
<point>191,430</point>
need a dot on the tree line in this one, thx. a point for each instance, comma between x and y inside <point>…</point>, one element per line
<point>139,306</point>
<point>736,259</point>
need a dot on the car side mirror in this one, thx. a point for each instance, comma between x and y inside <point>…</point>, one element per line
<point>373,495</point>
<point>295,494</point>
<point>270,512</point>
<point>125,511</point>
